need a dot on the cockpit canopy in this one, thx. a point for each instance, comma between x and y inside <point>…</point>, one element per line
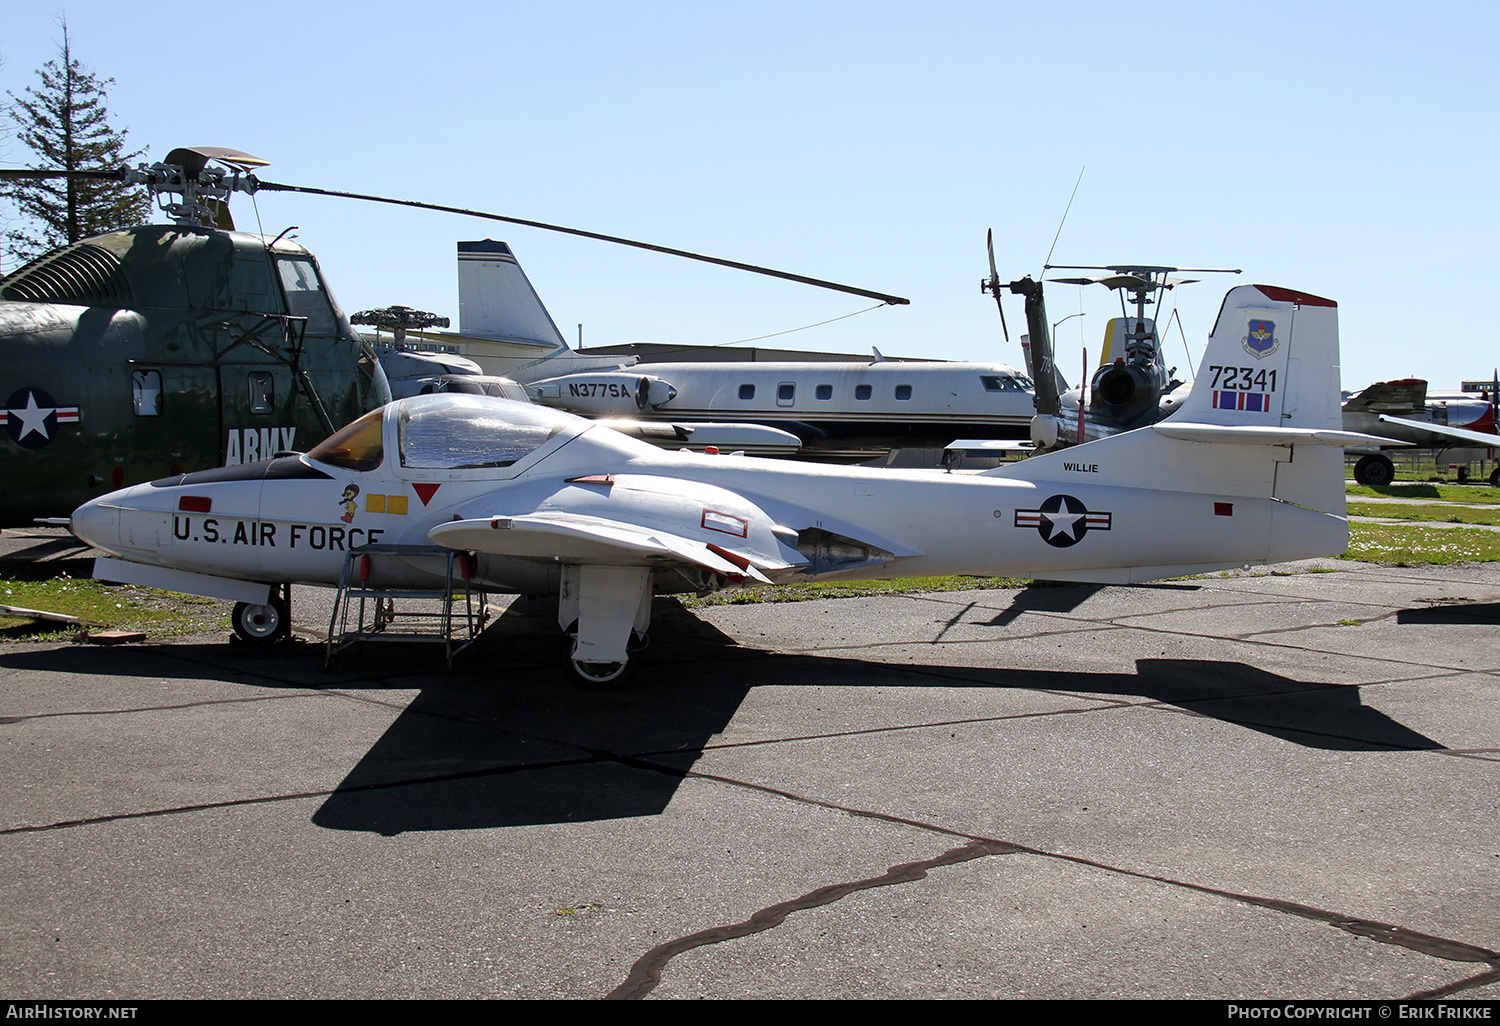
<point>357,446</point>
<point>448,432</point>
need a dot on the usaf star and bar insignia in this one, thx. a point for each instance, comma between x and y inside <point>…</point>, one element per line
<point>1063,520</point>
<point>31,417</point>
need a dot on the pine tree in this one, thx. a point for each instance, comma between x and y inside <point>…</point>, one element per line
<point>65,123</point>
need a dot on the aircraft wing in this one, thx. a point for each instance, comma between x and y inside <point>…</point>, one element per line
<point>990,445</point>
<point>1405,394</point>
<point>1444,431</point>
<point>596,541</point>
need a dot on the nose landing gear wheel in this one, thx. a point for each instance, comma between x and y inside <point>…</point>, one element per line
<point>261,625</point>
<point>600,676</point>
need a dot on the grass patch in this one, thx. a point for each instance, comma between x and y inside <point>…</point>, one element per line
<point>1428,490</point>
<point>1444,514</point>
<point>851,589</point>
<point>1405,545</point>
<point>118,606</point>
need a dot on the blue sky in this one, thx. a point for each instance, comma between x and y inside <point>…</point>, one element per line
<point>1345,151</point>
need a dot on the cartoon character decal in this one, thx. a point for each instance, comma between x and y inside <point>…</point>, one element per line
<point>347,501</point>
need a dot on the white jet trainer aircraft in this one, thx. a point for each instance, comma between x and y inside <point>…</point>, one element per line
<point>1249,471</point>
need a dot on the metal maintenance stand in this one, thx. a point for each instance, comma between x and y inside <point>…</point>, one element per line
<point>372,607</point>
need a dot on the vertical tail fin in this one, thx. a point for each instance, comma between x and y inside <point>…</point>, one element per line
<point>496,300</point>
<point>1272,361</point>
<point>1263,418</point>
<point>1250,469</point>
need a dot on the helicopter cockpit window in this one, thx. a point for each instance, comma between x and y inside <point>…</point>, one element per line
<point>457,432</point>
<point>262,392</point>
<point>356,447</point>
<point>145,393</point>
<point>305,296</point>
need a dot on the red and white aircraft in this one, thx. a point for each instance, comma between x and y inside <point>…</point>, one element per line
<point>549,503</point>
<point>1406,413</point>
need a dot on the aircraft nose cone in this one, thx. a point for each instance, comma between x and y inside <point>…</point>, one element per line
<point>96,524</point>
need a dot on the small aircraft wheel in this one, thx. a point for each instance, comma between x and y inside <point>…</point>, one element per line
<point>261,625</point>
<point>1495,478</point>
<point>1374,470</point>
<point>596,676</point>
<point>600,676</point>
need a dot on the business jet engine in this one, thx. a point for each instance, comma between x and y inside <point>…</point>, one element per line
<point>606,394</point>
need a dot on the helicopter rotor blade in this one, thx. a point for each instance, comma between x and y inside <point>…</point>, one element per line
<point>989,244</point>
<point>11,174</point>
<point>752,268</point>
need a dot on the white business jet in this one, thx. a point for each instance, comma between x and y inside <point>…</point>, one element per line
<point>850,409</point>
<point>548,503</point>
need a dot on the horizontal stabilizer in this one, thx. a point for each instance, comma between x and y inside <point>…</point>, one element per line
<point>1249,434</point>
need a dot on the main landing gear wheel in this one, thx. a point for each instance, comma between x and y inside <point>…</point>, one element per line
<point>1495,478</point>
<point>1374,470</point>
<point>601,676</point>
<point>261,625</point>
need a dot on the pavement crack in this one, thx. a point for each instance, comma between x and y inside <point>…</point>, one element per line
<point>1458,986</point>
<point>646,973</point>
<point>329,792</point>
<point>206,703</point>
<point>891,729</point>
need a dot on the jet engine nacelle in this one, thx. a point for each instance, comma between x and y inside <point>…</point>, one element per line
<point>1128,392</point>
<point>604,393</point>
<point>1473,414</point>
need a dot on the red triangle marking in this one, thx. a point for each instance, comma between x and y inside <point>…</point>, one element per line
<point>425,491</point>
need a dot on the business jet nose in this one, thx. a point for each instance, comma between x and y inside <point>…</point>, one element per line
<point>97,524</point>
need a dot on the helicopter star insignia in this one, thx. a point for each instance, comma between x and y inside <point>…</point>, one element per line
<point>24,416</point>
